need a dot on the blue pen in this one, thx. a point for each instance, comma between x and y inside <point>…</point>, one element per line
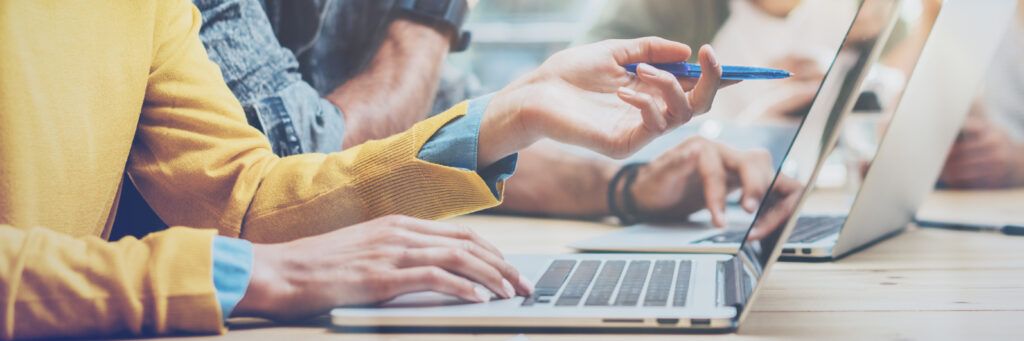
<point>729,72</point>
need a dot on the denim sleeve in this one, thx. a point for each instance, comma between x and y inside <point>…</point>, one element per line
<point>264,76</point>
<point>455,145</point>
<point>232,267</point>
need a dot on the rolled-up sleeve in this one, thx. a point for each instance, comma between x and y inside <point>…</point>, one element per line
<point>457,145</point>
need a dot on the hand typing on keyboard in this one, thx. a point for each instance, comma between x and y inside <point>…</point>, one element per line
<point>699,174</point>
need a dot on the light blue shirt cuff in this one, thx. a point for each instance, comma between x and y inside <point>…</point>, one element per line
<point>456,145</point>
<point>232,267</point>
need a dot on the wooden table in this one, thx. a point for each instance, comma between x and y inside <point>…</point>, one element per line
<point>922,284</point>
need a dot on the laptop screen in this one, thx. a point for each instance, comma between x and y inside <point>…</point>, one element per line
<point>811,144</point>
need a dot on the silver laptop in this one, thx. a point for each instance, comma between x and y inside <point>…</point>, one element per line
<point>907,162</point>
<point>635,292</point>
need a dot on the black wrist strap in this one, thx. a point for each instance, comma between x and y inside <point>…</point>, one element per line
<point>449,14</point>
<point>626,212</point>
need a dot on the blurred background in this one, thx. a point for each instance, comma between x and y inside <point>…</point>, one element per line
<point>511,37</point>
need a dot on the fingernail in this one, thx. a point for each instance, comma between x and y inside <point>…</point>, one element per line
<point>482,294</point>
<point>646,69</point>
<point>510,292</point>
<point>711,55</point>
<point>526,283</point>
<point>627,91</point>
<point>750,204</point>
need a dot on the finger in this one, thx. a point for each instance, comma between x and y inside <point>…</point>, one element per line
<point>971,174</point>
<point>714,179</point>
<point>754,171</point>
<point>689,83</point>
<point>647,50</point>
<point>451,231</point>
<point>975,144</point>
<point>780,211</point>
<point>672,94</point>
<point>977,161</point>
<point>707,86</point>
<point>727,83</point>
<point>428,278</point>
<point>460,262</point>
<point>650,111</point>
<point>509,272</point>
<point>974,124</point>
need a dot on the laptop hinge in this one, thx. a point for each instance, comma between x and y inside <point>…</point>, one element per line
<point>735,283</point>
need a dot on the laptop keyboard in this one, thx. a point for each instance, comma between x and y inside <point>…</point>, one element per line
<point>808,230</point>
<point>812,229</point>
<point>595,283</point>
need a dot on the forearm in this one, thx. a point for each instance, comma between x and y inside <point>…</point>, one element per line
<point>558,183</point>
<point>397,88</point>
<point>62,286</point>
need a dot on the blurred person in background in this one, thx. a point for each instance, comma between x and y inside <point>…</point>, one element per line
<point>989,153</point>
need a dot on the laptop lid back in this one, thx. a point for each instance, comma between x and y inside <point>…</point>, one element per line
<point>811,145</point>
<point>963,40</point>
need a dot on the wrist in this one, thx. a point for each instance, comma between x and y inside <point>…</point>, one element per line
<point>504,128</point>
<point>266,289</point>
<point>606,172</point>
<point>646,204</point>
<point>621,201</point>
<point>420,35</point>
<point>443,16</point>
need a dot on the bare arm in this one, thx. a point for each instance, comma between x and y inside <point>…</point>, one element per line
<point>557,183</point>
<point>397,88</point>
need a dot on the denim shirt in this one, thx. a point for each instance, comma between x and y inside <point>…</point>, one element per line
<point>264,77</point>
<point>280,56</point>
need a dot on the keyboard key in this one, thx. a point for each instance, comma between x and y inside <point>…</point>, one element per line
<point>553,278</point>
<point>727,237</point>
<point>633,283</point>
<point>682,286</point>
<point>661,283</point>
<point>578,284</point>
<point>604,287</point>
<point>812,229</point>
<point>808,230</point>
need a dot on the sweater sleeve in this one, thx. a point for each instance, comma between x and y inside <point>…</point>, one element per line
<point>199,163</point>
<point>55,285</point>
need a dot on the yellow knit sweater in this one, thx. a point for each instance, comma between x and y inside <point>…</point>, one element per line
<point>92,89</point>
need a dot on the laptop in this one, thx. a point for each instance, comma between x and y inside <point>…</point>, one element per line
<point>905,167</point>
<point>628,292</point>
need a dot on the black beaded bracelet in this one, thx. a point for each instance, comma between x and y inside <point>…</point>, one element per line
<point>627,213</point>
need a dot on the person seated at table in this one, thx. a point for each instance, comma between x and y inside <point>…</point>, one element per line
<point>989,153</point>
<point>93,91</point>
<point>361,104</point>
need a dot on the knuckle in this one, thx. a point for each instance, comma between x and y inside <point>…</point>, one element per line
<point>457,257</point>
<point>381,284</point>
<point>464,232</point>
<point>509,270</point>
<point>391,219</point>
<point>434,275</point>
<point>698,141</point>
<point>469,247</point>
